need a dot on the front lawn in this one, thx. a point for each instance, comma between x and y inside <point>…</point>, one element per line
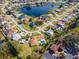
<point>27,27</point>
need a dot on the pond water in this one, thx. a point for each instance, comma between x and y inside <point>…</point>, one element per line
<point>36,11</point>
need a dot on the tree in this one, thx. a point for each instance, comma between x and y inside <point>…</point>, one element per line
<point>37,4</point>
<point>36,56</point>
<point>23,49</point>
<point>41,3</point>
<point>12,49</point>
<point>71,40</point>
<point>38,23</point>
<point>7,39</point>
<point>29,57</point>
<point>5,52</point>
<point>31,19</point>
<point>20,22</point>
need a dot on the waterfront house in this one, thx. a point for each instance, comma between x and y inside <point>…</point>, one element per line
<point>44,18</point>
<point>26,20</point>
<point>21,17</point>
<point>32,24</point>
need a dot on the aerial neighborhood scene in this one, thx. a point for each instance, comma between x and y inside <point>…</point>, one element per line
<point>39,29</point>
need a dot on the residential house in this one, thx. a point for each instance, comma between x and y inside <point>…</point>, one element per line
<point>54,47</point>
<point>8,27</point>
<point>9,30</point>
<point>16,36</point>
<point>39,39</point>
<point>2,20</point>
<point>23,34</point>
<point>23,41</point>
<point>26,20</point>
<point>50,32</point>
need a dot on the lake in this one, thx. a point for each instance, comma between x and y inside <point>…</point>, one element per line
<point>37,11</point>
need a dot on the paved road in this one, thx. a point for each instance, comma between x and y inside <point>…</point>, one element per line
<point>40,28</point>
<point>70,9</point>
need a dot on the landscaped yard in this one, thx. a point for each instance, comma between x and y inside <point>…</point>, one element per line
<point>27,27</point>
<point>76,30</point>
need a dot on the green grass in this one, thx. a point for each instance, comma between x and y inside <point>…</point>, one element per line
<point>76,30</point>
<point>33,48</point>
<point>35,34</point>
<point>27,27</point>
